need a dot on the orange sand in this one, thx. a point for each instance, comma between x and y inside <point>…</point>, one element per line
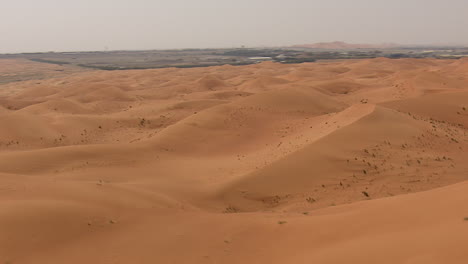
<point>361,161</point>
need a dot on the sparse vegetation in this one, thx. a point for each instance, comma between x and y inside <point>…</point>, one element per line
<point>230,210</point>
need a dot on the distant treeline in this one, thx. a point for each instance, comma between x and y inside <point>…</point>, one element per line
<point>120,68</point>
<point>253,53</point>
<point>50,61</point>
<point>296,60</point>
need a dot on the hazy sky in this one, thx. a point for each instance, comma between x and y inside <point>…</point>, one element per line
<point>64,25</point>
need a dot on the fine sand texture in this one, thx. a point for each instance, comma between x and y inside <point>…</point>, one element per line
<point>356,161</point>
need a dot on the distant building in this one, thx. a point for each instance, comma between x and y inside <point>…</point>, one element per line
<point>261,58</point>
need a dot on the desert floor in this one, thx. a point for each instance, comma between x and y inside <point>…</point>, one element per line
<point>357,161</point>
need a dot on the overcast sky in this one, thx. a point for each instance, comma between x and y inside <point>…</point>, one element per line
<point>67,25</point>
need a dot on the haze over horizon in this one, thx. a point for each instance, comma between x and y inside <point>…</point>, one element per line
<point>53,25</point>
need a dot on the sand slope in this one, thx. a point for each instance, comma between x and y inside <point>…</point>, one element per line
<point>359,161</point>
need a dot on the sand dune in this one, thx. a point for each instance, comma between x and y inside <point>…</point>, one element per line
<point>358,161</point>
